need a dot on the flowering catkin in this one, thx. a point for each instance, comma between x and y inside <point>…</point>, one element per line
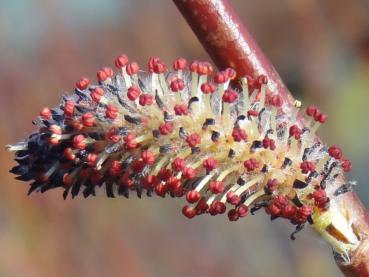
<point>183,132</point>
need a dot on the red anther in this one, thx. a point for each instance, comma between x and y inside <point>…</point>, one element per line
<point>271,185</point>
<point>208,68</point>
<point>295,132</point>
<point>252,113</point>
<point>68,153</point>
<point>164,174</point>
<point>126,181</point>
<point>281,200</point>
<point>233,198</point>
<point>178,164</point>
<point>91,159</point>
<point>96,94</point>
<point>213,208</point>
<point>346,164</point>
<point>194,66</point>
<point>69,107</point>
<point>147,157</point>
<point>115,168</point>
<point>132,68</point>
<point>239,134</point>
<point>307,167</point>
<point>317,115</point>
<point>160,67</point>
<point>114,138</point>
<point>217,207</point>
<point>217,187</point>
<point>210,164</point>
<point>220,207</point>
<point>262,80</point>
<point>111,134</point>
<point>193,196</point>
<point>130,141</point>
<point>276,206</point>
<point>208,88</point>
<point>45,113</point>
<point>273,209</point>
<point>151,64</point>
<point>188,212</point>
<point>188,173</point>
<point>111,112</point>
<point>108,71</point>
<point>177,85</point>
<point>269,143</point>
<point>201,68</point>
<point>221,77</point>
<point>156,66</point>
<point>302,214</point>
<point>276,101</point>
<point>254,162</point>
<point>82,83</point>
<point>335,152</point>
<point>181,109</point>
<point>129,137</point>
<point>121,61</point>
<point>101,75</point>
<point>174,184</point>
<point>231,73</point>
<point>204,68</point>
<point>193,139</point>
<point>320,198</point>
<point>166,128</point>
<point>233,215</point>
<point>161,189</point>
<point>137,166</point>
<point>88,120</point>
<point>266,143</point>
<point>242,210</point>
<point>321,117</point>
<point>79,142</point>
<point>180,64</point>
<point>311,110</point>
<point>55,129</point>
<point>149,182</point>
<point>251,164</point>
<point>146,99</point>
<point>201,206</point>
<point>289,211</point>
<point>133,93</point>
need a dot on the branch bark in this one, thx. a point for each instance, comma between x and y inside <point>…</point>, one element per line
<point>229,44</point>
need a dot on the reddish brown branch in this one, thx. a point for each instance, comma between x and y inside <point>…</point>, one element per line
<point>229,44</point>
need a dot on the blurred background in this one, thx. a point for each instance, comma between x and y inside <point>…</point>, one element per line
<point>320,48</point>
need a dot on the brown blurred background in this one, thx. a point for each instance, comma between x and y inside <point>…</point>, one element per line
<point>320,48</point>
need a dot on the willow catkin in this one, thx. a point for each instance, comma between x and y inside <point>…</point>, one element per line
<point>187,133</point>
